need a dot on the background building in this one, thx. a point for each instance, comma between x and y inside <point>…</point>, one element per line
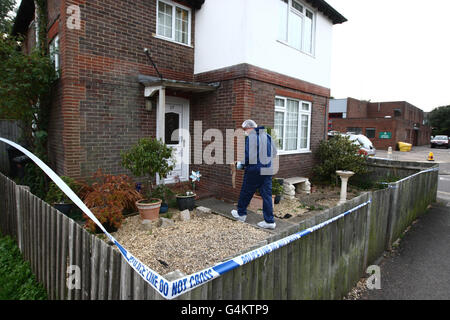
<point>384,123</point>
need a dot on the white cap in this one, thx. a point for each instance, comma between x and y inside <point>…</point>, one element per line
<point>249,124</point>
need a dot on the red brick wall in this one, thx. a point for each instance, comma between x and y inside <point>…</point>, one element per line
<point>101,104</point>
<point>54,10</point>
<point>397,127</point>
<point>356,108</point>
<point>383,109</point>
<point>380,125</point>
<point>243,95</point>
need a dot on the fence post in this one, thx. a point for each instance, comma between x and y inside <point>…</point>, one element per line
<point>393,209</point>
<point>368,226</point>
<point>19,217</point>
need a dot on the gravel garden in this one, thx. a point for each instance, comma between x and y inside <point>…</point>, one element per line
<point>171,233</point>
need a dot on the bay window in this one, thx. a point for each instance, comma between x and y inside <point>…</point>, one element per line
<point>292,125</point>
<point>173,22</point>
<point>296,25</point>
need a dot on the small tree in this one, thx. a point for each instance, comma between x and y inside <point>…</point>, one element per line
<point>338,153</point>
<point>440,120</point>
<point>6,21</point>
<point>24,80</point>
<point>148,158</point>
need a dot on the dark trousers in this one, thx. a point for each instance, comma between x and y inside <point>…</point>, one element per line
<point>253,181</point>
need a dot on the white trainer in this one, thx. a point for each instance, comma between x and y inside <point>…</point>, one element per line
<point>266,225</point>
<point>235,214</point>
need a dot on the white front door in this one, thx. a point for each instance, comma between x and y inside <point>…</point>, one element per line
<point>177,121</point>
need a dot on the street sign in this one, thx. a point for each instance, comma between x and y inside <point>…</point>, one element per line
<point>385,135</point>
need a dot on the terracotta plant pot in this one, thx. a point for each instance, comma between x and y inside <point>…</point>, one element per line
<point>147,210</point>
<point>257,202</point>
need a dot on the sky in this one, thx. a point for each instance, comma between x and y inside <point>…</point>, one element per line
<point>392,50</point>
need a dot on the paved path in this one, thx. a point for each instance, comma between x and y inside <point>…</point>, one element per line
<point>421,267</point>
<point>224,208</point>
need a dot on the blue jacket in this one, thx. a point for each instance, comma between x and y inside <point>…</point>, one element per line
<point>254,161</point>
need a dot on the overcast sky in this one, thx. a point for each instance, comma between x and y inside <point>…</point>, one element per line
<point>391,50</point>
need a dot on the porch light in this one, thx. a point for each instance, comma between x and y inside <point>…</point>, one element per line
<point>149,103</point>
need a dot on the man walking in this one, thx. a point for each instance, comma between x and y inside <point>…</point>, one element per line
<point>259,153</point>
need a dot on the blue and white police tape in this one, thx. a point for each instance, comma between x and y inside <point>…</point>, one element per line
<point>417,173</point>
<point>172,289</point>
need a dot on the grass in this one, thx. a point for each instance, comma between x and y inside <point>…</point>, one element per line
<point>17,282</point>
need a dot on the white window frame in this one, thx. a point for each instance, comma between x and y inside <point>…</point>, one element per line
<point>55,53</point>
<point>174,6</point>
<point>282,151</point>
<point>292,10</point>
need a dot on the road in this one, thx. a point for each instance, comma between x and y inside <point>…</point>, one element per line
<point>419,269</point>
<point>420,154</point>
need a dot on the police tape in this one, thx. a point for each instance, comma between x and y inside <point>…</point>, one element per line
<point>174,288</point>
<point>417,173</point>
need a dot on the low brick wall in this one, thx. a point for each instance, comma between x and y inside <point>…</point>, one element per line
<point>382,168</point>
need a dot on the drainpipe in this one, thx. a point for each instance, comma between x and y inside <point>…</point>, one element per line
<point>327,107</point>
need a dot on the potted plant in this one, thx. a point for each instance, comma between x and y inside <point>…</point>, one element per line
<point>277,189</point>
<point>108,197</point>
<point>149,157</point>
<point>165,194</point>
<point>186,198</point>
<point>58,199</point>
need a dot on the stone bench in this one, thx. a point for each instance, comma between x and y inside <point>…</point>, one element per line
<point>294,185</point>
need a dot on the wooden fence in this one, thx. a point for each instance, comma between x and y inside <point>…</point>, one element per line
<point>325,264</point>
<point>9,130</point>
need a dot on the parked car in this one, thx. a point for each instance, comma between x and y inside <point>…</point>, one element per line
<point>439,141</point>
<point>364,142</point>
<point>359,139</point>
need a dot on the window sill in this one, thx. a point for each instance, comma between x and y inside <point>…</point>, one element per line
<point>285,153</point>
<point>288,45</point>
<point>173,41</point>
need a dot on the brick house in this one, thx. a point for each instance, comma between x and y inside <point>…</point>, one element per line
<point>217,64</point>
<point>384,123</point>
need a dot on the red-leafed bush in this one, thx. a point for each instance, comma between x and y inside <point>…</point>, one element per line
<point>107,196</point>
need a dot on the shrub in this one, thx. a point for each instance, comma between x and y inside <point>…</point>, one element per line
<point>277,187</point>
<point>107,196</point>
<point>148,158</point>
<point>36,179</point>
<point>17,282</point>
<point>56,195</point>
<point>338,153</point>
<point>163,192</point>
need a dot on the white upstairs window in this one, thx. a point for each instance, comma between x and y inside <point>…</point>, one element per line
<point>173,22</point>
<point>296,25</point>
